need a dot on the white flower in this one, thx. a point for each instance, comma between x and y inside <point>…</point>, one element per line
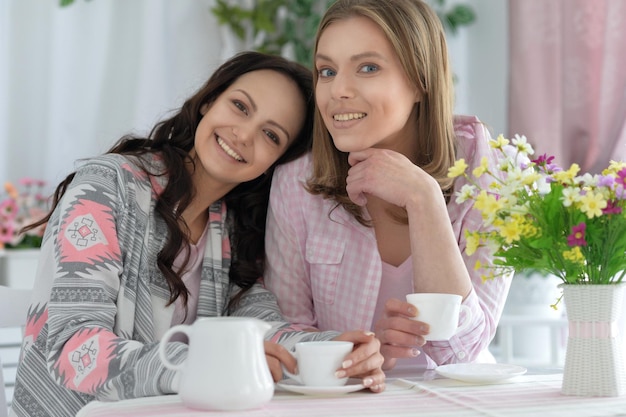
<point>466,193</point>
<point>522,145</point>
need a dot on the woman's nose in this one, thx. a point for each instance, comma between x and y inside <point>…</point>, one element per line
<point>243,134</point>
<point>342,87</point>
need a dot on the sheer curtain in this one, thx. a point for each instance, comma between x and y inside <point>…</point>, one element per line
<point>74,79</point>
<point>568,78</point>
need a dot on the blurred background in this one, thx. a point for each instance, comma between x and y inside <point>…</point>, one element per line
<point>74,79</point>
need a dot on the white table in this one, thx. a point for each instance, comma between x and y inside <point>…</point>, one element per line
<point>526,395</point>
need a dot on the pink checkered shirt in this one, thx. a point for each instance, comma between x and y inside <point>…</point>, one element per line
<point>325,268</point>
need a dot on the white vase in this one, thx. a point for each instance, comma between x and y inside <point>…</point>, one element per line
<point>18,267</point>
<point>594,359</point>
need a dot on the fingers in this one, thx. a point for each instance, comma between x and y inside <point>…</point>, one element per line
<point>356,157</point>
<point>275,368</point>
<point>393,306</point>
<point>365,361</point>
<point>400,335</point>
<point>276,356</point>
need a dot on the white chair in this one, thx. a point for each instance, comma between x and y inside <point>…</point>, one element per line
<point>13,307</point>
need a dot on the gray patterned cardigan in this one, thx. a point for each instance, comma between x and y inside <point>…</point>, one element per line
<point>99,307</point>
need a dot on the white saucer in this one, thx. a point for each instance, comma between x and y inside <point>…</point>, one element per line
<point>480,372</point>
<point>352,385</point>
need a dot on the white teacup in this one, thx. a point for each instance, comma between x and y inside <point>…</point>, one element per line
<point>318,361</point>
<point>441,312</point>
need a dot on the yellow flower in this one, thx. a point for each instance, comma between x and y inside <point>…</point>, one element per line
<point>529,229</point>
<point>458,169</point>
<point>482,168</point>
<point>614,167</point>
<point>592,204</point>
<point>487,277</point>
<point>567,176</point>
<point>487,204</point>
<point>511,230</point>
<point>530,177</point>
<point>478,265</point>
<point>499,143</point>
<point>574,255</point>
<point>472,242</point>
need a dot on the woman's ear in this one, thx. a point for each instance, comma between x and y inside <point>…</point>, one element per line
<point>204,108</point>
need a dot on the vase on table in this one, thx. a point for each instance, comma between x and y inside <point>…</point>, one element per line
<point>594,359</point>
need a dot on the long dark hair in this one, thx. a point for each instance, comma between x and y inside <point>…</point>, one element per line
<point>247,203</point>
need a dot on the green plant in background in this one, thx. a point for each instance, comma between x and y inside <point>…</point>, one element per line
<point>64,3</point>
<point>454,16</point>
<point>271,25</point>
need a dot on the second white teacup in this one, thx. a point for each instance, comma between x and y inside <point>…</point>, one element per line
<point>441,312</point>
<point>318,361</point>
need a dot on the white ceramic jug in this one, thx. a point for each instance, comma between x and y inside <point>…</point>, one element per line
<point>225,368</point>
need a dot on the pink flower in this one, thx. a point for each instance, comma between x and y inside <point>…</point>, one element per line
<point>19,208</point>
<point>6,233</point>
<point>8,209</point>
<point>577,238</point>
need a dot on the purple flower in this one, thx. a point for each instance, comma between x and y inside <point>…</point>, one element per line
<point>621,177</point>
<point>606,181</point>
<point>545,162</point>
<point>543,159</point>
<point>577,238</point>
<point>611,208</point>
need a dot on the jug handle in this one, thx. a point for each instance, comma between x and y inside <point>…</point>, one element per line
<point>181,328</point>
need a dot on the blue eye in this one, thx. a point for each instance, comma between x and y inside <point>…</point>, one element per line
<point>240,106</point>
<point>369,68</point>
<point>326,72</point>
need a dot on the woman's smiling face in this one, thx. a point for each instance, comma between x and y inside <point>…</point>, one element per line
<point>248,127</point>
<point>362,91</point>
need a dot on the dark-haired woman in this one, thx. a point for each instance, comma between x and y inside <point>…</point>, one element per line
<point>164,229</point>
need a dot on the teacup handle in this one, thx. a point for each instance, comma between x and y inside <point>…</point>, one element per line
<point>468,318</point>
<point>180,328</point>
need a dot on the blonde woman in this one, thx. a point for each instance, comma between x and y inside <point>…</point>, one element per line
<point>370,215</point>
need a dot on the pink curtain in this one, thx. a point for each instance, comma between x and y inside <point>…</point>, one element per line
<point>568,79</point>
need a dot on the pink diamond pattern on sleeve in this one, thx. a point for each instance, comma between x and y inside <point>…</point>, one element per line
<point>88,233</point>
<point>84,359</point>
<point>84,232</point>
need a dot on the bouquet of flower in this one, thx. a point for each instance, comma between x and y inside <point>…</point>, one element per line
<point>19,208</point>
<point>539,216</point>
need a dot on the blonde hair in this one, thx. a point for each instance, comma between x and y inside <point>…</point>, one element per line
<point>416,34</point>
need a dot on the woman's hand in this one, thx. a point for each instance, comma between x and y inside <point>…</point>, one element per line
<point>388,175</point>
<point>365,361</point>
<point>399,335</point>
<point>277,355</point>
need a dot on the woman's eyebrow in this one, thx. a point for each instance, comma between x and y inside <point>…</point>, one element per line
<point>254,107</point>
